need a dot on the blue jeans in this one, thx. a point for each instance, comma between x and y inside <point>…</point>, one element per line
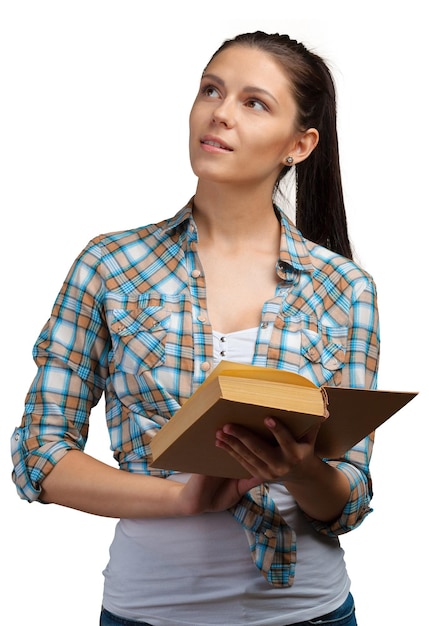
<point>343,616</point>
<point>108,619</point>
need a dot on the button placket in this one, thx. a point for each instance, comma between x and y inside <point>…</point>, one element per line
<point>224,341</point>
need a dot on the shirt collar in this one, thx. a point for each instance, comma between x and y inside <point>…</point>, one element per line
<point>183,217</point>
<point>293,246</point>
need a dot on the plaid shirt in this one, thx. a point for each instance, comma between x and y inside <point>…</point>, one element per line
<point>131,321</point>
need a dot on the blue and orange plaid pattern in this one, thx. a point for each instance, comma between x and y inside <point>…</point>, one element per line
<point>131,321</point>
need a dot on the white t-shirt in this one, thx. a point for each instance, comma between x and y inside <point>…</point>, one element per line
<point>198,571</point>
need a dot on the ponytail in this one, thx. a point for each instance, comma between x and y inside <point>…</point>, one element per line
<point>320,211</point>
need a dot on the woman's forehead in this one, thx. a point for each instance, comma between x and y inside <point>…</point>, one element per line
<point>248,63</point>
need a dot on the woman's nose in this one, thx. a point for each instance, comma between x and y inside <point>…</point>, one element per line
<point>224,113</point>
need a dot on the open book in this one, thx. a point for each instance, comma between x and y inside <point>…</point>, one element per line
<point>246,394</point>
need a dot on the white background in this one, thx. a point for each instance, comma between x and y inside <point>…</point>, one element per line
<point>94,122</point>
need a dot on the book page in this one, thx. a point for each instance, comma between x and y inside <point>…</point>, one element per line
<point>231,368</point>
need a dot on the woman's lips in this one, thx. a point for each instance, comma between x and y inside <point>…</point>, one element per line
<point>214,144</point>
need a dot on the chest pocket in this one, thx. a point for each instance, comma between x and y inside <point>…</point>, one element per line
<point>139,337</point>
<point>324,351</point>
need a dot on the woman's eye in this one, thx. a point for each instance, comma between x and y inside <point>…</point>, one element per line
<point>210,91</point>
<point>257,105</point>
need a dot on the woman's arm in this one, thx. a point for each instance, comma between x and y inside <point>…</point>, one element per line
<point>81,482</point>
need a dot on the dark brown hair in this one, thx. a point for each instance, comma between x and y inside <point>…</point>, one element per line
<point>320,214</point>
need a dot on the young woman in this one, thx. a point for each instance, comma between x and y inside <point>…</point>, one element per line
<point>143,317</point>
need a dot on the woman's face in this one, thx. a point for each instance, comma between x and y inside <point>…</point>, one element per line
<point>242,123</point>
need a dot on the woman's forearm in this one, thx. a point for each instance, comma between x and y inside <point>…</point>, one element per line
<point>81,482</point>
<point>322,491</point>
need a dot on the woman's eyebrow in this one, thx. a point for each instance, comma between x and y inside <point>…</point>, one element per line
<point>247,89</point>
<point>213,77</point>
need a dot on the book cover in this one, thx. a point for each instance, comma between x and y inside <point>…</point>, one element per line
<point>246,394</point>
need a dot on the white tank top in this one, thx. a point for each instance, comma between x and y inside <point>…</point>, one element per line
<point>198,571</point>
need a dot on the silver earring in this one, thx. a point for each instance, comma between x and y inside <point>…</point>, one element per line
<point>289,160</point>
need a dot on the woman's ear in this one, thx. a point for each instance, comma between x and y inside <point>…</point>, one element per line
<point>303,146</point>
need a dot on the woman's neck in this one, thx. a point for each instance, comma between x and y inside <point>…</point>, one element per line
<point>233,215</point>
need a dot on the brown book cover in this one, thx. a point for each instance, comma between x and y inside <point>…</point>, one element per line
<point>246,394</point>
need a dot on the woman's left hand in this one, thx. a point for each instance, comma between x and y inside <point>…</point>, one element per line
<point>283,458</point>
<point>320,489</point>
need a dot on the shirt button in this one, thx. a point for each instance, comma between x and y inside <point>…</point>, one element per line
<point>195,273</point>
<point>205,366</point>
<point>223,353</point>
<point>201,318</point>
<point>117,327</point>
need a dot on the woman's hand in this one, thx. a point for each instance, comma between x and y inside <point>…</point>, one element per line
<point>321,490</point>
<point>210,494</point>
<point>281,458</point>
<point>264,461</point>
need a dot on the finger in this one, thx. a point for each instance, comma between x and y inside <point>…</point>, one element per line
<point>284,436</point>
<point>238,450</point>
<point>243,442</point>
<point>281,433</point>
<point>258,457</point>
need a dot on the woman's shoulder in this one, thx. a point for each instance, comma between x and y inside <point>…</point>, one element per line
<point>121,239</point>
<point>320,260</point>
<point>333,267</point>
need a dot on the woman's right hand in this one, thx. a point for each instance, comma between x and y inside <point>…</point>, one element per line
<point>211,494</point>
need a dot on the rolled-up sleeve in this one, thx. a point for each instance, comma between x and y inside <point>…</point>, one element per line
<point>360,371</point>
<point>71,359</point>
